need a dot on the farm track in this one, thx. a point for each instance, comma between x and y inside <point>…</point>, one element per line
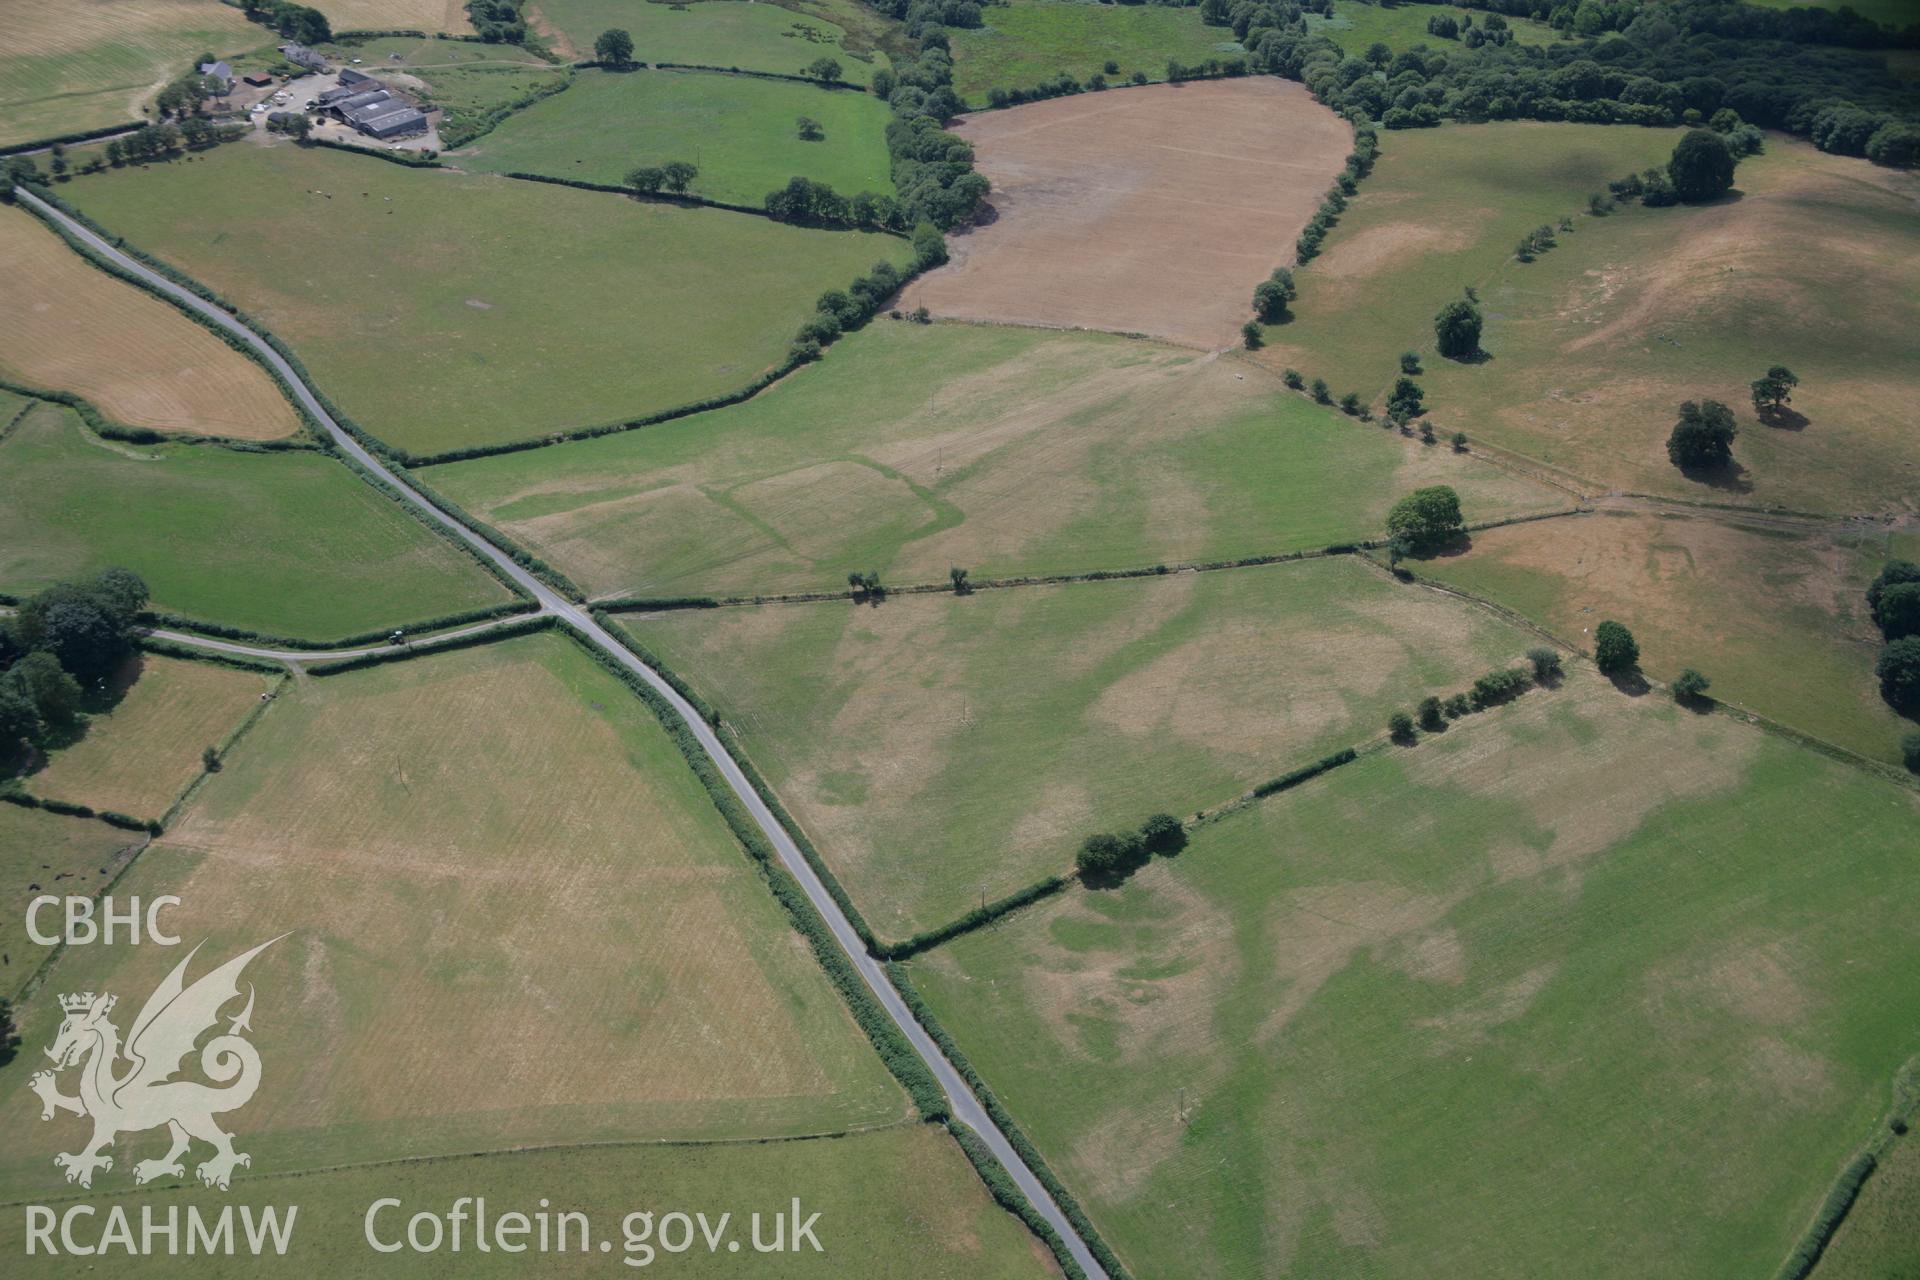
<point>967,1109</point>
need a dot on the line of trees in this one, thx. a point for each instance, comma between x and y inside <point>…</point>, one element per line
<point>1893,600</point>
<point>62,642</point>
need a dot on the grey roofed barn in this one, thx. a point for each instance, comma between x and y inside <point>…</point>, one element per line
<point>402,120</point>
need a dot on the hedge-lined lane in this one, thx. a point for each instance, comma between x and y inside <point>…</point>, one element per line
<point>966,1107</point>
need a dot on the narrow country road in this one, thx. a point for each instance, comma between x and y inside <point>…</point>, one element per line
<point>966,1108</point>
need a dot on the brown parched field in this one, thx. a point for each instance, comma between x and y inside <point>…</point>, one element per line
<point>1148,210</point>
<point>68,326</point>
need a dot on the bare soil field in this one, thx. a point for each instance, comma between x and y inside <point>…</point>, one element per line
<point>513,918</point>
<point>1148,210</point>
<point>68,326</point>
<point>137,757</point>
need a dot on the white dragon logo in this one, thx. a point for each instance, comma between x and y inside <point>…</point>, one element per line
<point>144,1096</point>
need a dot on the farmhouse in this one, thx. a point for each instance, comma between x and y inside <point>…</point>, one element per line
<point>308,58</point>
<point>220,72</point>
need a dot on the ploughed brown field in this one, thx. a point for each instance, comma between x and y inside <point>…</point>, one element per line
<point>1148,210</point>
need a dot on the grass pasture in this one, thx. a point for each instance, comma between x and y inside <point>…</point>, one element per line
<point>1773,611</point>
<point>285,543</point>
<point>1028,41</point>
<point>139,754</point>
<point>709,33</point>
<point>72,327</point>
<point>913,448</point>
<point>1816,265</point>
<point>1442,209</point>
<point>1586,986</point>
<point>1357,25</point>
<point>87,64</point>
<point>885,1194</point>
<point>937,748</point>
<point>45,853</point>
<point>740,132</point>
<point>516,919</point>
<point>445,310</point>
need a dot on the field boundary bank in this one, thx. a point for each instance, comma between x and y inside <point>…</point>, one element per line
<point>671,604</point>
<point>221,748</point>
<point>646,64</point>
<point>490,1153</point>
<point>1893,1125</point>
<point>1799,737</point>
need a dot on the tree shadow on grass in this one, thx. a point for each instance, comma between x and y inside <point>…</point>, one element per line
<point>1630,682</point>
<point>1782,418</point>
<point>1458,545</point>
<point>1700,706</point>
<point>1480,355</point>
<point>1728,478</point>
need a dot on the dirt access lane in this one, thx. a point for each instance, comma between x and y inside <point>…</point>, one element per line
<point>1148,210</point>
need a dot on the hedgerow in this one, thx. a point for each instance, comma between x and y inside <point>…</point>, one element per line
<point>980,916</point>
<point>1001,1187</point>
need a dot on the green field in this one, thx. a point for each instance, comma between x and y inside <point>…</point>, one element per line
<point>286,543</point>
<point>1355,26</point>
<point>516,920</point>
<point>136,755</point>
<point>739,131</point>
<point>445,310</point>
<point>44,853</point>
<point>881,1195</point>
<point>1590,986</point>
<point>717,33</point>
<point>1442,209</point>
<point>1595,344</point>
<point>1009,451</point>
<point>87,64</point>
<point>937,747</point>
<point>1774,613</point>
<point>1028,41</point>
<point>467,81</point>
